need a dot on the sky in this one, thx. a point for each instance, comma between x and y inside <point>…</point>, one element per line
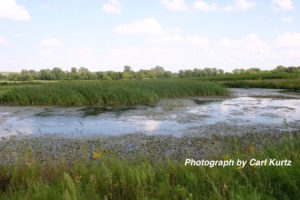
<point>105,35</point>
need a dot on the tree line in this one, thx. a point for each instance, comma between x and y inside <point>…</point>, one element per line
<point>127,74</point>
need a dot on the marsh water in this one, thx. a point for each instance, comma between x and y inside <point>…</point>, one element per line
<point>244,107</point>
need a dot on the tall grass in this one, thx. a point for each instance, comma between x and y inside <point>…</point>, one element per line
<point>108,177</point>
<point>293,84</point>
<point>259,76</point>
<point>105,93</point>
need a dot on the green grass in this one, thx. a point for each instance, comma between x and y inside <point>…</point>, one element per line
<point>291,84</point>
<point>259,76</point>
<point>105,93</point>
<point>108,177</point>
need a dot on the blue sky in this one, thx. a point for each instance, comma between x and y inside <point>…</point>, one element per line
<point>176,34</point>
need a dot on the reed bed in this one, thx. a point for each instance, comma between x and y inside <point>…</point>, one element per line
<point>105,93</point>
<point>293,84</point>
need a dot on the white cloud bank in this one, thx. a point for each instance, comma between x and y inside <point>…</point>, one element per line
<point>112,6</point>
<point>9,9</point>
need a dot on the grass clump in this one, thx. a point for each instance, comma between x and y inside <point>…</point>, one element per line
<point>105,176</point>
<point>105,93</point>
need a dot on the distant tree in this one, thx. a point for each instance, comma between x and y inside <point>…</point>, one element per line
<point>158,71</point>
<point>127,68</point>
<point>140,74</point>
<point>74,70</point>
<point>291,69</point>
<point>2,77</point>
<point>58,73</point>
<point>168,74</point>
<point>85,74</point>
<point>220,72</point>
<point>253,71</point>
<point>45,74</point>
<point>13,76</point>
<point>114,75</point>
<point>280,68</point>
<point>103,76</point>
<point>238,71</point>
<point>126,76</point>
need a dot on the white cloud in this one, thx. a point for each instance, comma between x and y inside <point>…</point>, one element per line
<point>244,4</point>
<point>237,6</point>
<point>9,9</point>
<point>240,5</point>
<point>282,4</point>
<point>148,26</point>
<point>144,57</point>
<point>18,35</point>
<point>289,40</point>
<point>202,5</point>
<point>166,39</point>
<point>112,6</point>
<point>174,5</point>
<point>197,40</point>
<point>289,45</point>
<point>3,41</point>
<point>51,42</point>
<point>288,19</point>
<point>248,47</point>
<point>52,8</point>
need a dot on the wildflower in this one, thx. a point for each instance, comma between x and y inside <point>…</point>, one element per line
<point>251,149</point>
<point>239,168</point>
<point>96,155</point>
<point>225,187</point>
<point>78,178</point>
<point>29,164</point>
<point>226,157</point>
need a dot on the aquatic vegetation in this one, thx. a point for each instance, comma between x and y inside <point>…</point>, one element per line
<point>106,93</point>
<point>109,177</point>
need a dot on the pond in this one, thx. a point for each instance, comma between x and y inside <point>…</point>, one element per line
<point>245,107</point>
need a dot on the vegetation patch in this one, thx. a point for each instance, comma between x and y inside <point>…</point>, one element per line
<point>291,84</point>
<point>103,175</point>
<point>106,93</point>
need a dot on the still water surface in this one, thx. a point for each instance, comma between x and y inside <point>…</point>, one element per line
<point>172,116</point>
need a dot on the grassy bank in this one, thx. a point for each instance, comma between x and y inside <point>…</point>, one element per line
<point>105,176</point>
<point>105,93</point>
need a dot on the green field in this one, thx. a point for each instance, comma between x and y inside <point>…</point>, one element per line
<point>105,93</point>
<point>105,176</point>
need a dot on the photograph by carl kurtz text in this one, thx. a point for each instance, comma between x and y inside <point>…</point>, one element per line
<point>271,162</point>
